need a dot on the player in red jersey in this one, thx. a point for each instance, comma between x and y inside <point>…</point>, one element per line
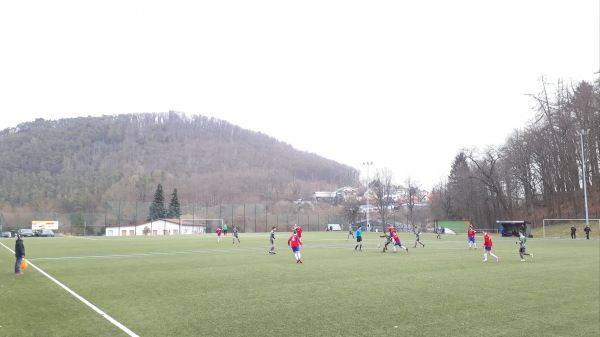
<point>391,230</point>
<point>219,233</point>
<point>298,231</point>
<point>471,235</point>
<point>397,242</point>
<point>295,242</point>
<point>487,245</point>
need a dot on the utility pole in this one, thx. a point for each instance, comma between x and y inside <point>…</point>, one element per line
<point>368,164</point>
<point>582,133</point>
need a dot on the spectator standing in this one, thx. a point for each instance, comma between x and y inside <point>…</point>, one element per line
<point>350,232</point>
<point>19,254</point>
<point>272,240</point>
<point>573,231</point>
<point>587,231</point>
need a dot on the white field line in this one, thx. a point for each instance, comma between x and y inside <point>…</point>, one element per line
<point>83,238</point>
<point>86,302</point>
<point>343,246</point>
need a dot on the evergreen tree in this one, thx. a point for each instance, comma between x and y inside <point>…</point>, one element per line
<point>174,207</point>
<point>157,208</point>
<point>79,224</point>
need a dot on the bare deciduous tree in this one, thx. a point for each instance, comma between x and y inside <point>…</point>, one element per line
<point>381,189</point>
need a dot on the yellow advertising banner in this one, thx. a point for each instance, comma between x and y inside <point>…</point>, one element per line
<point>44,224</point>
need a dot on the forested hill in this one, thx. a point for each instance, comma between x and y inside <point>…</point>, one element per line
<point>77,164</point>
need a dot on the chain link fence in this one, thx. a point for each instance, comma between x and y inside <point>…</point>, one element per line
<point>247,218</point>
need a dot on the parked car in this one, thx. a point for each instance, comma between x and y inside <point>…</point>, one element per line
<point>48,233</point>
<point>26,232</point>
<point>37,232</point>
<point>6,234</point>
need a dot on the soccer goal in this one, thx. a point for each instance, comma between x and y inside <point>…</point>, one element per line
<point>200,226</point>
<point>549,224</point>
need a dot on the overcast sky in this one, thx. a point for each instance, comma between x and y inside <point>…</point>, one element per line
<point>402,84</point>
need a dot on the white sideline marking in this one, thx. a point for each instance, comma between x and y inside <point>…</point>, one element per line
<point>86,302</point>
<point>83,238</point>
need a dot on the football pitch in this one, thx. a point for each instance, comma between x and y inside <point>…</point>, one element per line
<point>196,286</point>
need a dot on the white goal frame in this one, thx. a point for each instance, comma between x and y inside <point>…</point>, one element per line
<point>566,220</point>
<point>203,230</point>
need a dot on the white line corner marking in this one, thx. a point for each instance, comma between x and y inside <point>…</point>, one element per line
<point>95,308</point>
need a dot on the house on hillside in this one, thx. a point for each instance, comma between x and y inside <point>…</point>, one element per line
<point>322,196</point>
<point>347,193</point>
<point>157,227</point>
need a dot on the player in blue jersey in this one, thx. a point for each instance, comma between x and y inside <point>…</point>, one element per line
<point>358,239</point>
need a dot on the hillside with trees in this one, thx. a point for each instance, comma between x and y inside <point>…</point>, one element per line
<point>80,164</point>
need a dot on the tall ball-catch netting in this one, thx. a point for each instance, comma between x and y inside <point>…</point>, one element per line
<point>561,227</point>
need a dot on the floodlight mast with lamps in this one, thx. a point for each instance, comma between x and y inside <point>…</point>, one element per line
<point>582,133</point>
<point>368,183</point>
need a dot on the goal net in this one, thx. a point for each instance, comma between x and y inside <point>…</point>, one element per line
<point>200,226</point>
<point>562,227</point>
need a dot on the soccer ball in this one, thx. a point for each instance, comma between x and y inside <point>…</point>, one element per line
<point>379,245</point>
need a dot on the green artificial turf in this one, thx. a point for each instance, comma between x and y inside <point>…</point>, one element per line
<point>194,286</point>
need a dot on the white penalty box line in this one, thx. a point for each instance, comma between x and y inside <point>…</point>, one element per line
<point>86,302</point>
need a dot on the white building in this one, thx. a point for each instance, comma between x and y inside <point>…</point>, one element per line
<point>157,227</point>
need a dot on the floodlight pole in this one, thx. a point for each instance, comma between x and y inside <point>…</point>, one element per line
<point>582,133</point>
<point>368,183</point>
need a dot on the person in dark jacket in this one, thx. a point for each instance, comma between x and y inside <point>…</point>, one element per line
<point>19,254</point>
<point>587,231</point>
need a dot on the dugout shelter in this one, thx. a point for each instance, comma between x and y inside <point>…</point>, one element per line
<point>512,227</point>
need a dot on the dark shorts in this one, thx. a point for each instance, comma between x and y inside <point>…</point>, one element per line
<point>521,249</point>
<point>359,239</point>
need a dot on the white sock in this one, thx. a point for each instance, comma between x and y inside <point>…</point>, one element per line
<point>394,248</point>
<point>485,256</point>
<point>299,256</point>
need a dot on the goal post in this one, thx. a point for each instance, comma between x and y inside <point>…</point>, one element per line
<point>578,223</point>
<point>200,226</point>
